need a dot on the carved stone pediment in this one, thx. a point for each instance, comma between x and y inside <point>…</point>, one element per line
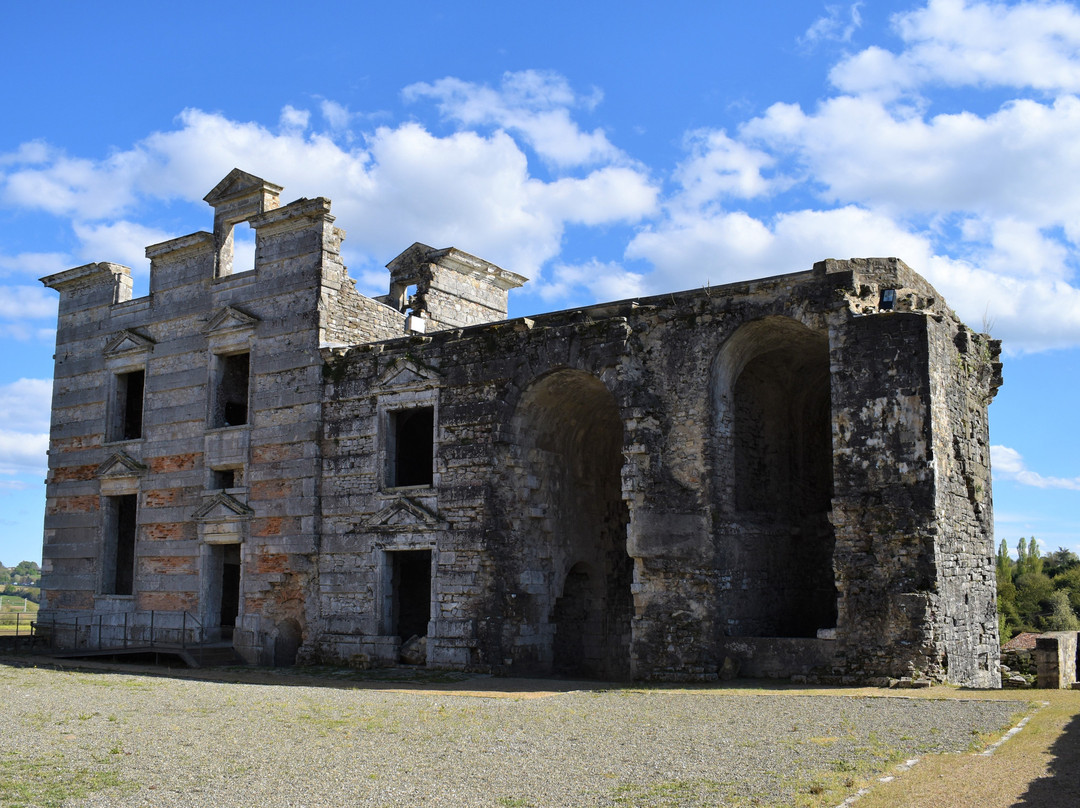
<point>229,320</point>
<point>239,183</point>
<point>127,343</point>
<point>222,507</point>
<point>403,513</point>
<point>120,464</point>
<point>408,374</point>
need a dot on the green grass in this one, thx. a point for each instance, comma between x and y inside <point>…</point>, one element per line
<point>12,614</point>
<point>48,783</point>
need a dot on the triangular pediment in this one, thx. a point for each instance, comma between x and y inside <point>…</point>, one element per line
<point>127,342</point>
<point>239,183</point>
<point>411,258</point>
<point>403,514</point>
<point>120,464</point>
<point>222,507</point>
<point>408,373</point>
<point>230,319</point>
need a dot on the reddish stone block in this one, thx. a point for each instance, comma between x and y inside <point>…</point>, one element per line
<point>87,503</point>
<point>168,565</point>
<point>163,497</point>
<point>164,531</point>
<point>65,474</point>
<point>271,563</point>
<point>70,599</point>
<point>274,489</point>
<point>169,463</point>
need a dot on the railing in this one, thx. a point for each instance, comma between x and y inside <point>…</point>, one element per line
<point>94,633</point>
<point>23,638</point>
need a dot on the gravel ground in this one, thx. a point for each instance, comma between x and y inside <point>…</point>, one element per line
<point>113,739</point>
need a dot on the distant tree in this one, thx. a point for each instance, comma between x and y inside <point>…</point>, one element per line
<point>1069,582</point>
<point>1061,616</point>
<point>1008,615</point>
<point>1059,561</point>
<point>1034,592</point>
<point>5,575</point>
<point>1028,556</point>
<point>1004,561</point>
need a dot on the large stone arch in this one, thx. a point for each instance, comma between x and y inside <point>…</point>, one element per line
<point>773,459</point>
<point>562,464</point>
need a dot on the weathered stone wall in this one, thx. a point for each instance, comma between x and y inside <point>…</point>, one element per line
<point>850,564</point>
<point>965,375</point>
<point>788,475</point>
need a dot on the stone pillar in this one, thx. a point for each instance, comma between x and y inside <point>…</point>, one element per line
<point>1055,660</point>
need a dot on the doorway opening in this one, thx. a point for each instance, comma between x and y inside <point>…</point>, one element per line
<point>410,593</point>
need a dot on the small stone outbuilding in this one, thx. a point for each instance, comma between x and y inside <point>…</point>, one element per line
<point>790,473</point>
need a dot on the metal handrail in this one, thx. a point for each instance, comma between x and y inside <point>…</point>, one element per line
<point>117,637</point>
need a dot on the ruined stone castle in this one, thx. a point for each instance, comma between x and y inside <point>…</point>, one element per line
<point>789,473</point>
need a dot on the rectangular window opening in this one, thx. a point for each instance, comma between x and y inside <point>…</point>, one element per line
<point>224,478</point>
<point>410,589</point>
<point>119,556</point>
<point>412,449</point>
<point>128,407</point>
<point>243,247</point>
<point>231,399</point>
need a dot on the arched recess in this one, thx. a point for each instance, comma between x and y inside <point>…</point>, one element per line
<point>775,460</point>
<point>568,533</point>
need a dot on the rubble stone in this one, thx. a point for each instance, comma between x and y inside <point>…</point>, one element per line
<point>791,474</point>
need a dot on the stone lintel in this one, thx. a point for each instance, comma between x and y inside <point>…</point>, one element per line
<point>192,241</point>
<point>86,275</point>
<point>318,208</point>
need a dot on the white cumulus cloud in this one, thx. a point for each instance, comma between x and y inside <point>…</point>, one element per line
<point>25,405</point>
<point>534,103</point>
<point>27,303</point>
<point>963,43</point>
<point>1008,464</point>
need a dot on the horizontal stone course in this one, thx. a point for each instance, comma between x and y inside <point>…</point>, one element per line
<point>655,488</point>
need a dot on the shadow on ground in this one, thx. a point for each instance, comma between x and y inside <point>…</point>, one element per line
<point>1061,788</point>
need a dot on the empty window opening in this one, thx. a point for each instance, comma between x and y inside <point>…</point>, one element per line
<point>128,407</point>
<point>410,588</point>
<point>224,478</point>
<point>412,448</point>
<point>236,248</point>
<point>119,555</point>
<point>243,247</point>
<point>231,401</point>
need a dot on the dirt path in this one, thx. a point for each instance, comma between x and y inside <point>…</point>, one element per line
<point>1039,767</point>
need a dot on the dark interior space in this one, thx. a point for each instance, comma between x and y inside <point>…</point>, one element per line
<point>413,449</point>
<point>411,585</point>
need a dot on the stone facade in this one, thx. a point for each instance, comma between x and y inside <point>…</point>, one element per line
<point>790,473</point>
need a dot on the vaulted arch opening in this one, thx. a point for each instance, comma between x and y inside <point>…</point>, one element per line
<point>570,537</point>
<point>775,409</point>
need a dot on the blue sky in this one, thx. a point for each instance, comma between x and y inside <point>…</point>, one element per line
<point>603,149</point>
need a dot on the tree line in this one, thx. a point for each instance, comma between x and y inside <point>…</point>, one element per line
<point>1037,592</point>
<point>21,581</point>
